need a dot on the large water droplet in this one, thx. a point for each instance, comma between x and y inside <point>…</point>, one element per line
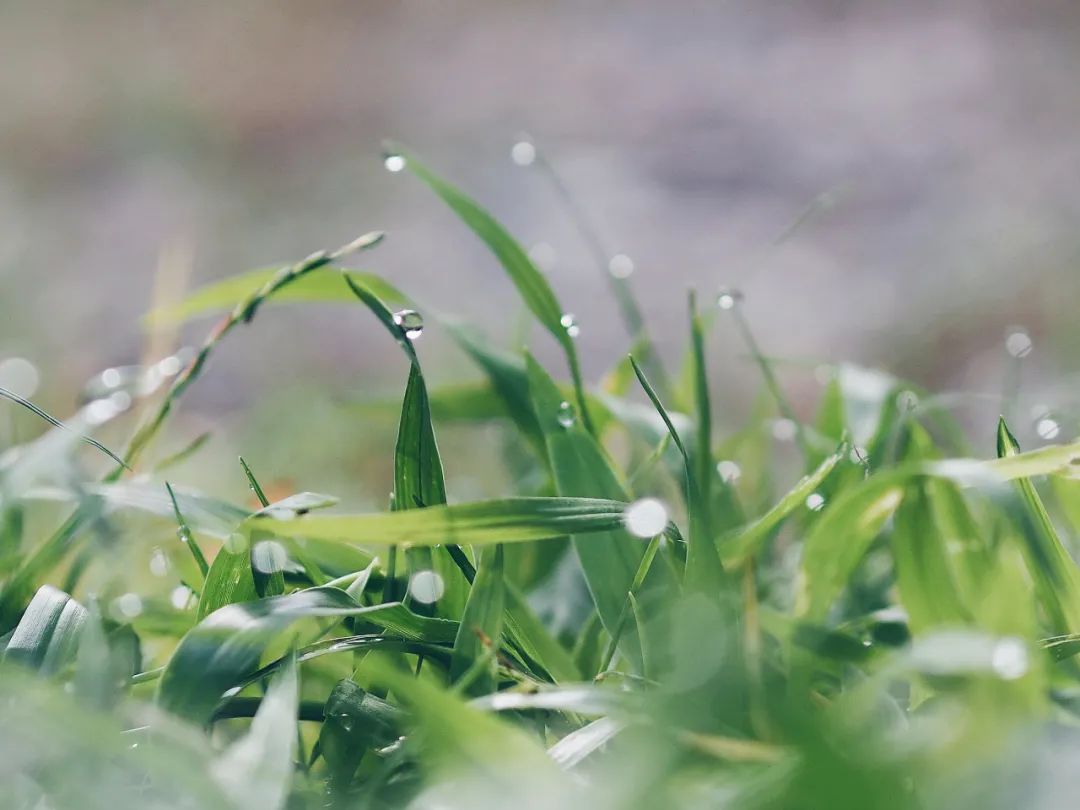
<point>543,255</point>
<point>783,430</point>
<point>621,266</point>
<point>1047,428</point>
<point>269,557</point>
<point>426,587</point>
<point>394,163</point>
<point>19,376</point>
<point>1009,659</point>
<point>1018,343</point>
<point>729,471</point>
<point>646,518</point>
<point>236,543</point>
<point>180,596</point>
<point>184,534</point>
<point>728,298</point>
<point>565,415</point>
<point>159,563</point>
<point>523,153</point>
<point>410,322</point>
<point>127,606</point>
<point>815,501</point>
<point>570,324</point>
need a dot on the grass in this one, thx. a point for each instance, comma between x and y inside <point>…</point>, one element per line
<point>896,629</point>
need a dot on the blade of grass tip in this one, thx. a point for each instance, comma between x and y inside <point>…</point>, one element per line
<point>242,313</point>
<point>183,531</point>
<point>30,406</point>
<point>184,453</point>
<point>615,269</point>
<point>732,301</point>
<point>532,285</point>
<point>255,488</point>
<point>1057,579</point>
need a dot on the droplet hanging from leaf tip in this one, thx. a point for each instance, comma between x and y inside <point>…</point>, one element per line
<point>646,517</point>
<point>394,163</point>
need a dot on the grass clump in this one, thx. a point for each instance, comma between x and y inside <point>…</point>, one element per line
<point>896,629</point>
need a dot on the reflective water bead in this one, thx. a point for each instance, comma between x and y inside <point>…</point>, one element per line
<point>1018,343</point>
<point>570,324</point>
<point>426,587</point>
<point>815,501</point>
<point>523,153</point>
<point>729,471</point>
<point>621,266</point>
<point>646,517</point>
<point>394,163</point>
<point>565,415</point>
<point>728,298</point>
<point>410,322</point>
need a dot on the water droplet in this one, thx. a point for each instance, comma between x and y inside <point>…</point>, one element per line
<point>1009,659</point>
<point>907,401</point>
<point>180,597</point>
<point>410,322</point>
<point>1047,428</point>
<point>426,587</point>
<point>523,153</point>
<point>783,429</point>
<point>184,534</point>
<point>543,255</point>
<point>1018,343</point>
<point>565,414</point>
<point>815,501</point>
<point>621,266</point>
<point>236,543</point>
<point>127,606</point>
<point>169,366</point>
<point>269,557</point>
<point>19,376</point>
<point>646,518</point>
<point>102,410</point>
<point>570,324</point>
<point>394,163</point>
<point>159,563</point>
<point>729,471</point>
<point>728,298</point>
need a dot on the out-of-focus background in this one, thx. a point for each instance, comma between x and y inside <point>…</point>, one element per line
<point>892,184</point>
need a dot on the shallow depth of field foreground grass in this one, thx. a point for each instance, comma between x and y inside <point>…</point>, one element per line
<point>657,618</point>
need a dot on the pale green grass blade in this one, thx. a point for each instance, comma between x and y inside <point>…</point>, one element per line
<point>47,637</point>
<point>480,631</point>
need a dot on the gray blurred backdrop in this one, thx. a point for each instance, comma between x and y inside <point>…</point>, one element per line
<point>934,143</point>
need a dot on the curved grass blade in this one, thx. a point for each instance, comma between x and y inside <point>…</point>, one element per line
<point>255,771</point>
<point>530,282</point>
<point>47,637</point>
<point>739,546</point>
<point>226,646</point>
<point>242,313</point>
<point>52,420</point>
<point>478,523</point>
<point>1057,579</point>
<point>610,559</point>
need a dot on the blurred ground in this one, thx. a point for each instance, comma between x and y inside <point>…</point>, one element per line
<point>693,132</point>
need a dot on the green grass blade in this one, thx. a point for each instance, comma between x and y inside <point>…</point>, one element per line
<point>739,546</point>
<point>532,286</point>
<point>480,630</point>
<point>47,637</point>
<point>255,771</point>
<point>1057,579</point>
<point>505,520</point>
<point>226,646</point>
<point>610,559</point>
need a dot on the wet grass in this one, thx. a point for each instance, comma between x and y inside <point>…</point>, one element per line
<point>660,616</point>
